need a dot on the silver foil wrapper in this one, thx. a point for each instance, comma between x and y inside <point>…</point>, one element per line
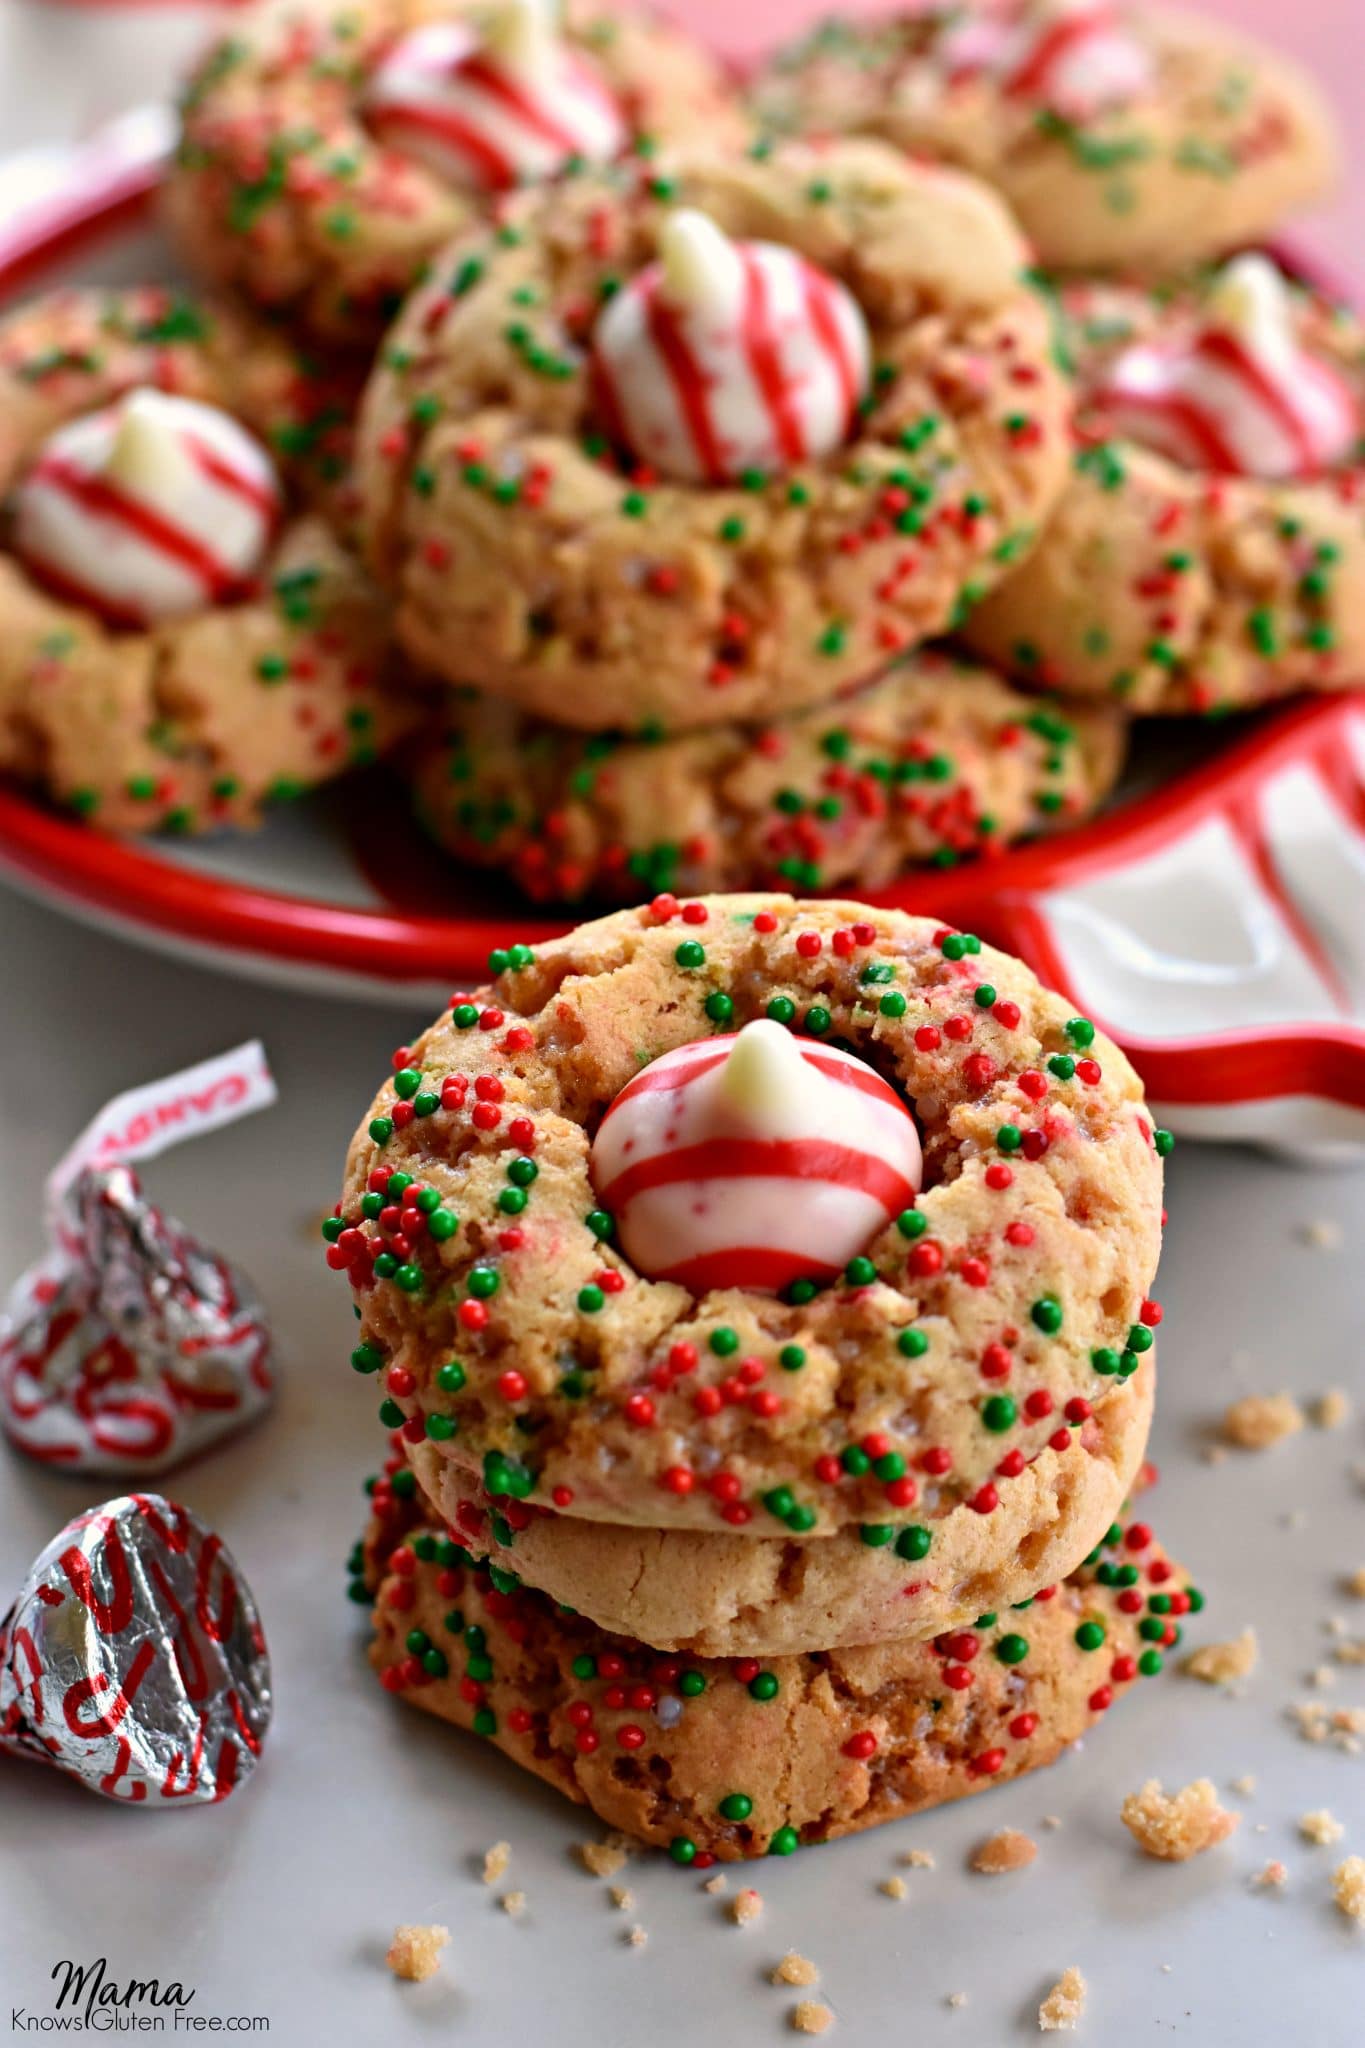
<point>131,1346</point>
<point>134,1659</point>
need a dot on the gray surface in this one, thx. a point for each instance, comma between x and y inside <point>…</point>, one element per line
<point>363,1815</point>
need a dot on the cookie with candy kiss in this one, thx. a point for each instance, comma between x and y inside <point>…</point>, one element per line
<point>754,1160</point>
<point>1238,395</point>
<point>513,107</point>
<point>1075,57</point>
<point>724,358</point>
<point>152,509</point>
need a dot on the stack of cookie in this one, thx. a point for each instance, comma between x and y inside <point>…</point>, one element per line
<point>759,1294</point>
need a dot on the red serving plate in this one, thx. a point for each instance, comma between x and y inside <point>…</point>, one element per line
<point>1215,924</point>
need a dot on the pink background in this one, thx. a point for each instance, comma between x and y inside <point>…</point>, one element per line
<point>92,57</point>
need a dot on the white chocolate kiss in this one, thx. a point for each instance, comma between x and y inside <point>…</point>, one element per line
<point>1241,396</point>
<point>724,358</point>
<point>154,508</point>
<point>486,112</point>
<point>521,35</point>
<point>754,1160</point>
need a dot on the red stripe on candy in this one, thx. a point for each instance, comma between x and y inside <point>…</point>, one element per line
<point>712,1052</point>
<point>505,92</point>
<point>765,361</point>
<point>814,1159</point>
<point>688,380</point>
<point>1228,353</point>
<point>1031,80</point>
<point>1207,448</point>
<point>260,497</point>
<point>753,1266</point>
<point>462,136</point>
<point>97,495</point>
<point>830,335</point>
<point>72,591</point>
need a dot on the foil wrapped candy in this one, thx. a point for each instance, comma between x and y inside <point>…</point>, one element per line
<point>131,1346</point>
<point>144,1349</point>
<point>133,1658</point>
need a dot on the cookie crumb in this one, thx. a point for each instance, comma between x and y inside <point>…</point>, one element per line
<point>637,1937</point>
<point>810,2017</point>
<point>746,1907</point>
<point>1271,1877</point>
<point>621,1898</point>
<point>1323,1233</point>
<point>956,2000</point>
<point>1352,1651</point>
<point>415,1952</point>
<point>795,1969</point>
<point>601,1859</point>
<point>1348,1887</point>
<point>894,1888</point>
<point>1063,2005</point>
<point>1343,1727</point>
<point>495,1862</point>
<point>1224,1663</point>
<point>1243,1786</point>
<point>1331,1410</point>
<point>1260,1420</point>
<point>1008,1850</point>
<point>513,1904</point>
<point>718,1883</point>
<point>1052,1820</point>
<point>918,1859</point>
<point>1321,1827</point>
<point>1176,1828</point>
<point>1355,1585</point>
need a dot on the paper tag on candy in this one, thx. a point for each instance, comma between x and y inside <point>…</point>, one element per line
<point>130,1345</point>
<point>145,1121</point>
<point>134,1660</point>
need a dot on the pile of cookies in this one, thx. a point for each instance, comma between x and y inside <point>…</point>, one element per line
<point>700,484</point>
<point>759,1293</point>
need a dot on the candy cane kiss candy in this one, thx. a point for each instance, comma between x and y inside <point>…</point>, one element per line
<point>133,1658</point>
<point>131,1345</point>
<point>754,1160</point>
<point>513,109</point>
<point>725,357</point>
<point>153,508</point>
<point>1238,396</point>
